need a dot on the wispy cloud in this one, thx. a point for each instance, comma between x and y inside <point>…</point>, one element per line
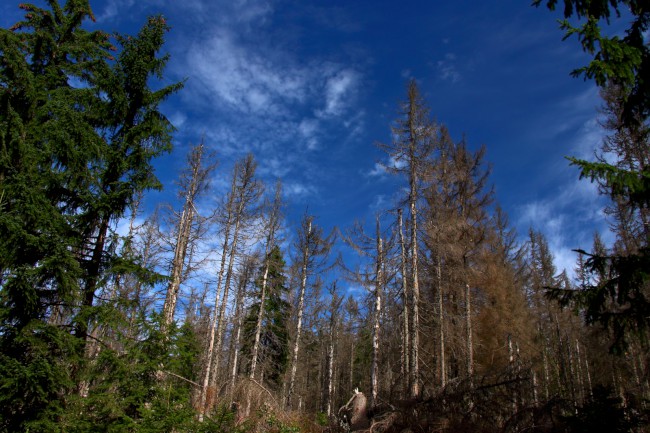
<point>296,190</point>
<point>448,69</point>
<point>339,91</point>
<point>381,168</point>
<point>244,78</point>
<point>562,218</point>
<point>251,91</point>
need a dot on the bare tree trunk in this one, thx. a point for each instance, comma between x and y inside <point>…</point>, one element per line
<point>248,191</point>
<point>301,306</point>
<point>260,318</point>
<point>415,336</point>
<point>334,306</point>
<point>441,325</point>
<point>468,328</point>
<point>351,383</point>
<point>244,278</point>
<point>546,372</point>
<point>193,181</point>
<point>511,365</point>
<point>244,191</point>
<point>406,372</point>
<point>581,384</point>
<point>330,370</point>
<point>374,383</point>
<point>272,225</point>
<point>221,321</point>
<point>213,323</point>
<point>589,385</point>
<point>178,262</point>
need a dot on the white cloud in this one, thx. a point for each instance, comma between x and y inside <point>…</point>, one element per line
<point>309,129</point>
<point>112,8</point>
<point>381,168</point>
<point>378,170</point>
<point>177,118</point>
<point>246,79</point>
<point>567,219</point>
<point>339,89</point>
<point>296,190</point>
<point>276,166</point>
<point>447,68</point>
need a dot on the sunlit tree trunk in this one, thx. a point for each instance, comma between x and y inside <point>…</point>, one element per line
<point>335,305</point>
<point>441,325</point>
<point>271,227</point>
<point>244,278</point>
<point>379,281</point>
<point>300,311</point>
<point>406,372</point>
<point>193,181</point>
<point>244,191</point>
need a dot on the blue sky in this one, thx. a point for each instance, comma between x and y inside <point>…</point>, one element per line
<point>310,87</point>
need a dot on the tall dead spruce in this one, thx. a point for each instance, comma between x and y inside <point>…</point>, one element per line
<point>272,225</point>
<point>414,140</point>
<point>314,250</point>
<point>245,191</point>
<point>194,180</point>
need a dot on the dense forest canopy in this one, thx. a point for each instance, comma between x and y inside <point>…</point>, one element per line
<point>433,316</point>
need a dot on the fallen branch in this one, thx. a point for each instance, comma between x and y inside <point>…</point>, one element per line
<point>267,391</point>
<point>180,377</point>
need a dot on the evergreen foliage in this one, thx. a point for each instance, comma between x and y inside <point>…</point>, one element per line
<point>619,301</point>
<point>85,346</point>
<point>78,131</point>
<point>274,338</point>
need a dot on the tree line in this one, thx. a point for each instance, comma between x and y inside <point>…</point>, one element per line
<point>204,318</point>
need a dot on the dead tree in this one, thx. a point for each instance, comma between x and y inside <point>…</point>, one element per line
<point>194,180</point>
<point>272,226</point>
<point>414,141</point>
<point>244,191</point>
<point>312,246</point>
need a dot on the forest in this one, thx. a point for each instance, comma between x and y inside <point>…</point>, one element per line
<point>190,321</point>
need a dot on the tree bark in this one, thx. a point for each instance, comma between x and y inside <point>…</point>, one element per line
<point>182,239</point>
<point>301,306</point>
<point>374,382</point>
<point>406,372</point>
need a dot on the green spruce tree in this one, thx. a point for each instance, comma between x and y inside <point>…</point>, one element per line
<point>78,131</point>
<point>274,339</point>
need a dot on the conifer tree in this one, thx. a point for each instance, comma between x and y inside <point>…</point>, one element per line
<point>622,65</point>
<point>414,134</point>
<point>72,159</point>
<point>273,352</point>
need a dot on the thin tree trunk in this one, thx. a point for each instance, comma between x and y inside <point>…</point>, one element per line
<point>415,336</point>
<point>301,305</point>
<point>241,291</point>
<point>546,369</point>
<point>468,328</point>
<point>441,325</point>
<point>511,365</point>
<point>405,308</point>
<point>177,266</point>
<point>182,238</point>
<point>213,323</point>
<point>330,363</point>
<point>581,383</point>
<point>374,384</point>
<point>274,219</point>
<point>221,322</point>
